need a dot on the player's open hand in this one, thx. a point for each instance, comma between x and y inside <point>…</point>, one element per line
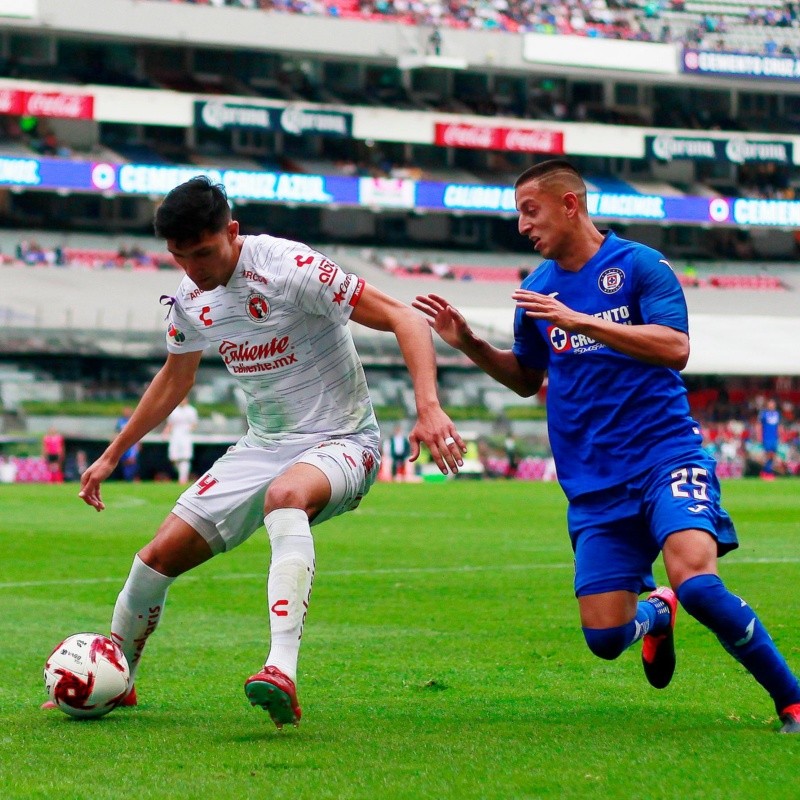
<point>446,320</point>
<point>438,433</point>
<point>91,480</point>
<point>545,306</point>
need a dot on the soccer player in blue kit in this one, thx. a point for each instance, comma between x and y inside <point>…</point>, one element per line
<point>769,433</point>
<point>605,319</point>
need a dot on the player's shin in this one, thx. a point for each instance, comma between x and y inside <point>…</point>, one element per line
<point>137,611</point>
<point>741,633</point>
<point>291,576</point>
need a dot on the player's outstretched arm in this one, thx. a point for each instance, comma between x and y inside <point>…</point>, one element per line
<point>433,427</point>
<point>502,365</point>
<point>170,385</point>
<point>655,344</point>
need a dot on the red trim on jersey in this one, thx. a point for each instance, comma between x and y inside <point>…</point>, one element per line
<point>357,293</point>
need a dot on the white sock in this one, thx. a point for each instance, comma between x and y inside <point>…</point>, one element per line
<point>291,575</point>
<point>138,610</point>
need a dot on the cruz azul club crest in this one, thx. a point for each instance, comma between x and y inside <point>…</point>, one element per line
<point>611,280</point>
<point>559,338</point>
<point>257,307</point>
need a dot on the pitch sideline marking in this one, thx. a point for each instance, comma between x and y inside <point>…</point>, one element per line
<point>466,569</point>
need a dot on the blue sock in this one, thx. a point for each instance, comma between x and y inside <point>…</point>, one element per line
<point>656,611</point>
<point>741,634</point>
<point>609,643</point>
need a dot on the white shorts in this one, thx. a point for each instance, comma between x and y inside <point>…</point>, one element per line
<point>226,505</point>
<point>181,447</point>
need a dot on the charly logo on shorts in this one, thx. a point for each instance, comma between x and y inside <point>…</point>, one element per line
<point>257,307</point>
<point>611,280</point>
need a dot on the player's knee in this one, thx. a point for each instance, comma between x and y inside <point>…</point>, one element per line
<point>607,643</point>
<point>283,494</point>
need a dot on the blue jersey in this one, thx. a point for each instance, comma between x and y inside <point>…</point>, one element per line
<point>610,416</point>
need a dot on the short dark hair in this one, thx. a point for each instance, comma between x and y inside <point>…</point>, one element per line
<point>546,168</point>
<point>192,209</point>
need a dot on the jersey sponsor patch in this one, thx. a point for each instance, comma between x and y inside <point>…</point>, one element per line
<point>177,337</point>
<point>257,307</point>
<point>357,292</point>
<point>611,280</point>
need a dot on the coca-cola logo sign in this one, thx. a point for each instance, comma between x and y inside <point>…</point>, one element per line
<point>11,101</point>
<point>58,104</point>
<point>533,140</point>
<point>47,104</point>
<point>475,137</point>
<point>488,137</point>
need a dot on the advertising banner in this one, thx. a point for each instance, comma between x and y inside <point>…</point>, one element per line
<point>490,137</point>
<point>737,149</point>
<point>223,116</point>
<point>292,119</point>
<point>282,187</point>
<point>65,105</point>
<point>740,65</point>
<point>386,192</point>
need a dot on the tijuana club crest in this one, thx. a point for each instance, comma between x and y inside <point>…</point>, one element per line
<point>257,307</point>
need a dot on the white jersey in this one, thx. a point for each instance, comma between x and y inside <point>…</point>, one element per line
<point>182,422</point>
<point>280,327</point>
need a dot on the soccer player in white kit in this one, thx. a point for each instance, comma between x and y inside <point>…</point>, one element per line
<point>180,424</point>
<point>276,312</point>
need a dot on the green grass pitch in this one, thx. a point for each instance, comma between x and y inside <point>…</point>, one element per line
<point>442,658</point>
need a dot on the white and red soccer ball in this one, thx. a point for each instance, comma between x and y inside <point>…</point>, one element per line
<point>86,675</point>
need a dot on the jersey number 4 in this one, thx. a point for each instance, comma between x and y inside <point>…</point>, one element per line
<point>695,486</point>
<point>205,483</point>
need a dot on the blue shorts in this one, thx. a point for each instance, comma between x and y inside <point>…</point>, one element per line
<point>617,533</point>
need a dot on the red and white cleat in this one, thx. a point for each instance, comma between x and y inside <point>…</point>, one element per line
<point>790,717</point>
<point>275,692</point>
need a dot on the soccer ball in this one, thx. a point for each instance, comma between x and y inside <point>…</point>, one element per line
<point>86,675</point>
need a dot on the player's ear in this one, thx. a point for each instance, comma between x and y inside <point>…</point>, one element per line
<point>233,229</point>
<point>571,203</point>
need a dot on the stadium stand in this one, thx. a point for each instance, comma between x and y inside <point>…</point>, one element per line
<point>88,290</point>
<point>767,26</point>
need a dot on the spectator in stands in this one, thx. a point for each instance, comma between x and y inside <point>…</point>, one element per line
<point>312,449</point>
<point>53,452</point>
<point>630,461</point>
